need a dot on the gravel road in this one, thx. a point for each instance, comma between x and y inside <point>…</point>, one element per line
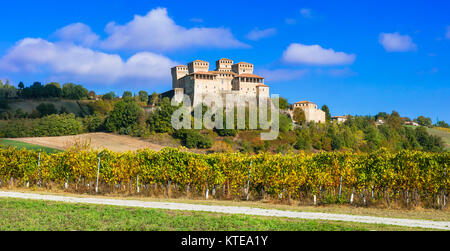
<point>443,225</point>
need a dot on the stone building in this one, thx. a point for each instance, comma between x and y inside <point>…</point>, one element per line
<point>339,119</point>
<point>196,80</point>
<point>312,113</point>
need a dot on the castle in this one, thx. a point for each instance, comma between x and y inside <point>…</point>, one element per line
<point>197,81</point>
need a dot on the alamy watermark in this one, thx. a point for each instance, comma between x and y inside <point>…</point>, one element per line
<point>228,112</point>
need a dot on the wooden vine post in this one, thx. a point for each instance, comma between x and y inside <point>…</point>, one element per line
<point>248,180</point>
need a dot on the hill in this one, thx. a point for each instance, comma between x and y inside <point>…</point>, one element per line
<point>443,133</point>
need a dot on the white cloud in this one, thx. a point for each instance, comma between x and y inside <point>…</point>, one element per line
<point>315,55</point>
<point>78,33</point>
<point>306,13</point>
<point>157,31</point>
<point>280,75</point>
<point>257,34</point>
<point>35,55</point>
<point>394,42</point>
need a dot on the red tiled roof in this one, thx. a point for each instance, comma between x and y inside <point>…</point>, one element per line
<point>199,61</point>
<point>205,72</point>
<point>247,75</point>
<point>304,102</point>
<point>244,63</point>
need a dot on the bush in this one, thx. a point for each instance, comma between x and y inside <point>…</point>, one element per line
<point>46,109</point>
<point>125,115</point>
<point>194,139</point>
<point>94,123</point>
<point>226,132</point>
<point>52,125</point>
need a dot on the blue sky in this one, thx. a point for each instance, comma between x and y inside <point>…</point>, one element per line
<point>357,57</point>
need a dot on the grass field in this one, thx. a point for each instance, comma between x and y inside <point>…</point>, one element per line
<point>31,215</point>
<point>18,144</point>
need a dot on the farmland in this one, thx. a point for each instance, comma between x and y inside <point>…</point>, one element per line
<point>95,141</point>
<point>24,145</point>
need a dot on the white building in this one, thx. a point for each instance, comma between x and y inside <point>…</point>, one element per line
<point>339,119</point>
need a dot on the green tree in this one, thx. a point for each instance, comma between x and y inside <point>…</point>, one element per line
<point>154,99</point>
<point>72,91</point>
<point>125,115</point>
<point>327,113</point>
<point>283,104</point>
<point>143,96</point>
<point>285,123</point>
<point>127,94</point>
<point>52,90</point>
<point>423,121</point>
<point>442,124</point>
<point>46,109</point>
<point>299,116</point>
<point>109,96</point>
<point>160,120</point>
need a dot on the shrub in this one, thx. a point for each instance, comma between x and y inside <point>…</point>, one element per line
<point>194,139</point>
<point>125,115</point>
<point>46,109</point>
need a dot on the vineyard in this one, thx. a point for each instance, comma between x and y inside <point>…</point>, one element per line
<point>408,178</point>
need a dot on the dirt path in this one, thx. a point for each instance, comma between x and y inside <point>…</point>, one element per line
<point>117,143</point>
<point>443,225</point>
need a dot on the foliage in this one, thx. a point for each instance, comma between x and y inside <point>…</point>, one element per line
<point>52,125</point>
<point>94,123</point>
<point>283,104</point>
<point>423,121</point>
<point>327,112</point>
<point>194,139</point>
<point>109,96</point>
<point>143,96</point>
<point>72,91</point>
<point>442,124</point>
<point>46,109</point>
<point>125,115</point>
<point>299,116</point>
<point>285,123</point>
<point>160,120</point>
<point>127,94</point>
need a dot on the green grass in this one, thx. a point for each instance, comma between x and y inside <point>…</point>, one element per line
<point>443,134</point>
<point>31,215</point>
<point>20,145</point>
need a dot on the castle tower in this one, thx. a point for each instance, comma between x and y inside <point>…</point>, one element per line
<point>178,72</point>
<point>243,67</point>
<point>224,64</point>
<point>198,65</point>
